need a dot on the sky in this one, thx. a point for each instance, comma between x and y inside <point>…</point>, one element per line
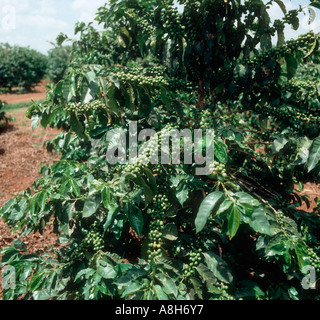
<point>36,23</point>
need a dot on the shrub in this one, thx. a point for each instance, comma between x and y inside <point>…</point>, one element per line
<point>58,62</point>
<point>21,67</point>
<point>160,231</point>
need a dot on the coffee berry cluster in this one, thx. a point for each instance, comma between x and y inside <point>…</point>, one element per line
<point>218,171</point>
<point>195,258</point>
<point>206,121</point>
<point>145,26</point>
<point>299,86</point>
<point>160,207</point>
<point>172,22</point>
<point>85,108</point>
<point>314,259</point>
<point>140,80</point>
<point>303,42</point>
<point>224,295</point>
<point>93,242</point>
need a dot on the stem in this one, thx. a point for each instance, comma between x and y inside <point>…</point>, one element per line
<point>201,94</point>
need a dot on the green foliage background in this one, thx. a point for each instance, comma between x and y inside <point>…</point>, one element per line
<point>156,232</point>
<point>21,67</point>
<point>58,62</point>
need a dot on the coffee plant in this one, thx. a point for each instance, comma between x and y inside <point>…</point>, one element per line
<point>2,113</point>
<point>147,230</point>
<point>21,67</point>
<point>58,62</point>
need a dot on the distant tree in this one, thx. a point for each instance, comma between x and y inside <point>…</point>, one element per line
<point>58,61</point>
<point>21,67</point>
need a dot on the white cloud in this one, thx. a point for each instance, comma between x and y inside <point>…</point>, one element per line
<point>87,9</point>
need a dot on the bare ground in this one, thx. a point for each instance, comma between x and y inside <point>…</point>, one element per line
<point>21,156</point>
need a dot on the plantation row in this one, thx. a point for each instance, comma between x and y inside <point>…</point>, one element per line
<point>148,231</point>
<point>22,67</point>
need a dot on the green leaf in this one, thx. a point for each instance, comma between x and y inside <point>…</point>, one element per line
<point>170,232</point>
<point>259,222</point>
<point>278,144</point>
<point>208,205</point>
<point>35,121</point>
<point>106,197</point>
<point>244,197</point>
<point>312,49</point>
<point>61,38</point>
<point>77,126</point>
<point>302,255</point>
<point>91,205</point>
<point>207,276</point>
<point>132,288</point>
<point>282,6</point>
<point>292,65</point>
<point>42,200</point>
<point>169,287</point>
<point>136,219</point>
<point>37,281</point>
<point>314,156</point>
<point>233,221</point>
<point>218,266</point>
<point>106,272</point>
<point>159,293</point>
<point>220,151</point>
<point>75,187</point>
<point>182,192</point>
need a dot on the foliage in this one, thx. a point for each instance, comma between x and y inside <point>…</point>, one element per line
<point>156,231</point>
<point>21,67</point>
<point>2,113</point>
<point>58,62</point>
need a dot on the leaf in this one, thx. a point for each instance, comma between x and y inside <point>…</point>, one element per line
<point>218,266</point>
<point>136,219</point>
<point>159,293</point>
<point>169,287</point>
<point>233,221</point>
<point>182,192</point>
<point>170,232</point>
<point>292,65</point>
<point>302,255</point>
<point>91,205</point>
<point>259,222</point>
<point>106,272</point>
<point>208,205</point>
<point>42,200</point>
<point>282,6</point>
<point>132,288</point>
<point>244,197</point>
<point>315,4</point>
<point>314,156</point>
<point>278,144</point>
<point>61,38</point>
<point>79,26</point>
<point>220,151</point>
<point>106,197</point>
<point>207,275</point>
<point>77,126</point>
<point>75,187</point>
<point>35,121</point>
<point>37,281</point>
<point>312,49</point>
